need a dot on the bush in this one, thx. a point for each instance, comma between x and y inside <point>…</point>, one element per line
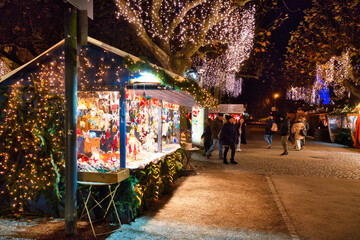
<point>345,138</point>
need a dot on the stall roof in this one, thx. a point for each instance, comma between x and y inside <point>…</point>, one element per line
<point>110,55</point>
<point>171,96</point>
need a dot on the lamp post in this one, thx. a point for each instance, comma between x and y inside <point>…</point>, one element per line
<point>276,96</point>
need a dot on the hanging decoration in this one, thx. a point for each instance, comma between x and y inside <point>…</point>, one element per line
<point>203,97</point>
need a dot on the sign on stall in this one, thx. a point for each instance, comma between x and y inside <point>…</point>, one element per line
<point>197,126</point>
<point>231,108</point>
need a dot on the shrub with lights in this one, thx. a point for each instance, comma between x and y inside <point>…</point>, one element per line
<point>32,145</point>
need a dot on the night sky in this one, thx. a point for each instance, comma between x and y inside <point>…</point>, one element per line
<point>255,91</point>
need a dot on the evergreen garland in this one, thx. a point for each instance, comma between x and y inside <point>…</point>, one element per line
<point>32,145</point>
<point>204,98</point>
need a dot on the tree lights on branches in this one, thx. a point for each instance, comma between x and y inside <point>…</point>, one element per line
<point>4,68</point>
<point>175,31</point>
<point>31,144</point>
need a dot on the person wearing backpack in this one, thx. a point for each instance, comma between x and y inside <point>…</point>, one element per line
<point>270,129</point>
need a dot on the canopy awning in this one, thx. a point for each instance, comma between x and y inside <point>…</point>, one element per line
<point>172,96</point>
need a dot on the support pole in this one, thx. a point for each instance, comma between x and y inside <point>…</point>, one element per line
<point>122,116</point>
<point>160,127</point>
<point>70,118</point>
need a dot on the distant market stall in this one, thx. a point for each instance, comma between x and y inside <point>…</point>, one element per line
<point>235,110</point>
<point>128,109</point>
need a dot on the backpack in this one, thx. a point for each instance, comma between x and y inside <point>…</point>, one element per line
<point>274,127</point>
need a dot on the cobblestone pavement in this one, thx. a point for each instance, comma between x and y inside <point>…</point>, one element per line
<point>315,187</point>
<point>316,159</point>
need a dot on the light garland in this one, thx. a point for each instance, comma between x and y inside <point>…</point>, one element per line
<point>32,143</point>
<point>221,72</point>
<point>175,25</point>
<point>334,72</point>
<point>4,68</point>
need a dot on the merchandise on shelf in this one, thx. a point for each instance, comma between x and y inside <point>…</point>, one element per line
<point>98,143</point>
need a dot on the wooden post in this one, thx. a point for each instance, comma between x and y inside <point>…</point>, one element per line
<point>70,119</point>
<point>160,127</point>
<point>122,116</point>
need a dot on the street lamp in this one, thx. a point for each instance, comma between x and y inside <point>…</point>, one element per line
<point>276,95</point>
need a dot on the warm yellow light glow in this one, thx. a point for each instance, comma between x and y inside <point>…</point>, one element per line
<point>276,95</point>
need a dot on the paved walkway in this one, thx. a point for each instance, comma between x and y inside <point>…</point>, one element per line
<point>311,194</point>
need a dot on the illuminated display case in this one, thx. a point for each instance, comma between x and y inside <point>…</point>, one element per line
<point>118,110</point>
<point>98,141</point>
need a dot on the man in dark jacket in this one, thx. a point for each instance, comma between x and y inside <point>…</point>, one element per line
<point>216,126</point>
<point>284,132</point>
<point>228,138</point>
<point>268,131</point>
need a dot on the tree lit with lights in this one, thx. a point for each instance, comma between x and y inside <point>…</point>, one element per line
<point>216,36</point>
<point>324,50</point>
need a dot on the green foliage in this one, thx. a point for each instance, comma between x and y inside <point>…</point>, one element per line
<point>203,97</point>
<point>154,180</point>
<point>329,29</point>
<point>345,138</point>
<point>31,145</point>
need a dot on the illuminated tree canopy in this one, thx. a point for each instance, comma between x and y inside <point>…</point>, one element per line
<point>326,47</point>
<point>216,36</point>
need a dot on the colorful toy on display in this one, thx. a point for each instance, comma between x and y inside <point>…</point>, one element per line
<point>98,141</point>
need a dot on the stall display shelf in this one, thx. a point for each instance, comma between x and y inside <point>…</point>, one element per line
<point>101,177</point>
<point>147,157</point>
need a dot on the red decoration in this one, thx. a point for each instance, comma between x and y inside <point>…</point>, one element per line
<point>103,141</point>
<point>107,134</point>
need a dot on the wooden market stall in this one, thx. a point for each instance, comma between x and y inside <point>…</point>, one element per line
<point>125,119</point>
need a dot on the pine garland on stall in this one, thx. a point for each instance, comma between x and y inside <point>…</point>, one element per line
<point>32,145</point>
<point>203,97</point>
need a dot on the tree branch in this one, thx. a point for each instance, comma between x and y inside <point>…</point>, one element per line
<point>11,57</point>
<point>143,37</point>
<point>154,13</point>
<point>354,89</point>
<point>214,18</point>
<point>177,20</point>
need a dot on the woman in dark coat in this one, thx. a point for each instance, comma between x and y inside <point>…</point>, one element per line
<point>241,134</point>
<point>207,135</point>
<point>228,138</point>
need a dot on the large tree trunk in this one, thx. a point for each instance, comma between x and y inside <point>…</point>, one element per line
<point>354,89</point>
<point>180,65</point>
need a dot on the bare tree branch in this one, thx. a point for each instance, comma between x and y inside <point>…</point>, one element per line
<point>143,37</point>
<point>177,20</point>
<point>354,89</point>
<point>214,18</point>
<point>154,13</point>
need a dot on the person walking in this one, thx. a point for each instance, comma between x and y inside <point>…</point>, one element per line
<point>284,132</point>
<point>228,138</point>
<point>297,128</point>
<point>269,130</point>
<point>216,127</point>
<point>241,130</point>
<point>207,135</point>
<point>306,124</point>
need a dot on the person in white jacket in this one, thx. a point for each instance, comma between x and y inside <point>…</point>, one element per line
<point>296,128</point>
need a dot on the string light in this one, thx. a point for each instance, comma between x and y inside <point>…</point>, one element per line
<point>183,28</point>
<point>4,68</point>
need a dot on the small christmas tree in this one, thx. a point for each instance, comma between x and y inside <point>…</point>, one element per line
<point>32,144</point>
